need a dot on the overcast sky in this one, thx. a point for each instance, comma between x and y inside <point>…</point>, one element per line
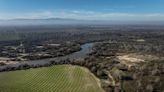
<point>152,10</point>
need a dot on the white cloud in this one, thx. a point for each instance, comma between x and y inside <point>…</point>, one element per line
<point>82,14</point>
<point>30,15</point>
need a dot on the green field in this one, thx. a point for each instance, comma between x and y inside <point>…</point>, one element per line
<point>60,78</point>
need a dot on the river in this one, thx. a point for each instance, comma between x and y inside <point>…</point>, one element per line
<point>85,49</point>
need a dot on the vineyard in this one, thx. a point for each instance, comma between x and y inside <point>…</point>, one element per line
<point>61,78</point>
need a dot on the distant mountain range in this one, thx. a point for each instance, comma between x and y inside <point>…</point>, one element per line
<point>47,21</point>
<point>65,21</point>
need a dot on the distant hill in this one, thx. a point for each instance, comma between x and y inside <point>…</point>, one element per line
<point>39,21</point>
<point>65,21</point>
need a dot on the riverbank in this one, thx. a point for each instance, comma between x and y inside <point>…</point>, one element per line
<point>85,48</point>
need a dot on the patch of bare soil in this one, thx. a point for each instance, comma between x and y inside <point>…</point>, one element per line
<point>140,40</point>
<point>7,61</point>
<point>133,59</point>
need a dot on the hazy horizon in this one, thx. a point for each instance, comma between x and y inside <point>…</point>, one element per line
<point>113,10</point>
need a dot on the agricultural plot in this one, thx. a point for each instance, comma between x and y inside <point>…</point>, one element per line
<point>60,78</point>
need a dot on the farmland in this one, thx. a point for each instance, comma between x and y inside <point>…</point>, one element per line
<point>60,78</point>
<point>121,57</point>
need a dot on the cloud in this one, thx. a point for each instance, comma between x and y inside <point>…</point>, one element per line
<point>29,15</point>
<point>82,14</point>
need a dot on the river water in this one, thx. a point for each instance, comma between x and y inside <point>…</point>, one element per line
<point>85,49</point>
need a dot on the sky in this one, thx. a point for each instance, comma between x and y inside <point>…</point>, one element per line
<point>149,10</point>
